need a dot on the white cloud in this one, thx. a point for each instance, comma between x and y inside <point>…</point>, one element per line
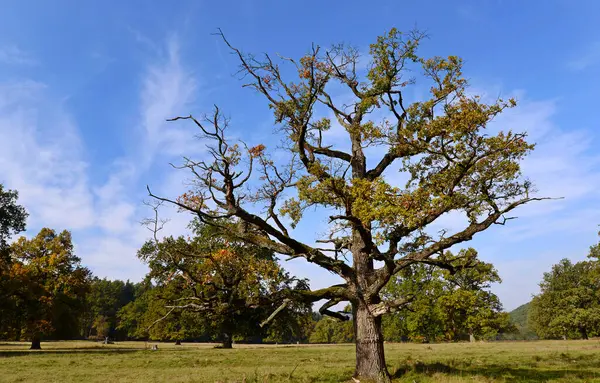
<point>40,157</point>
<point>11,54</point>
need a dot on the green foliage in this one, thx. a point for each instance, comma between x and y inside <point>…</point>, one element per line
<point>102,303</point>
<point>140,319</point>
<point>12,221</point>
<point>230,286</point>
<point>447,304</point>
<point>568,305</point>
<point>12,216</point>
<point>329,330</point>
<point>519,317</point>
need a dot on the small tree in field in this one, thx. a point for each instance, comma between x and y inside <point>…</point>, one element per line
<point>440,145</point>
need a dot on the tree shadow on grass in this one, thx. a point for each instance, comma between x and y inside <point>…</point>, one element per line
<point>507,374</point>
<point>9,354</point>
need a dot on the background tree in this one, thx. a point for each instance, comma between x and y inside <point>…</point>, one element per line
<point>421,320</point>
<point>102,303</point>
<point>441,145</point>
<point>448,304</point>
<point>295,324</point>
<point>568,305</point>
<point>230,283</point>
<point>330,330</point>
<point>12,216</point>
<point>146,317</point>
<point>12,221</point>
<point>51,283</point>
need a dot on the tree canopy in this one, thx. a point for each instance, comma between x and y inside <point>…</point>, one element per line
<point>448,158</point>
<point>568,305</point>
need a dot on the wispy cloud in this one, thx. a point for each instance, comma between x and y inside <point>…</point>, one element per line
<point>588,57</point>
<point>44,158</point>
<point>40,157</point>
<point>168,89</point>
<point>11,54</point>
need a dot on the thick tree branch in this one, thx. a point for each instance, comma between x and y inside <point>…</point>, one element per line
<point>462,236</point>
<point>386,307</point>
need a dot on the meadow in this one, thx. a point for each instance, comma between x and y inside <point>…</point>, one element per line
<point>72,361</point>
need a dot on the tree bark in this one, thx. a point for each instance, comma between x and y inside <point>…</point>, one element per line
<point>584,334</point>
<point>36,343</point>
<point>227,340</point>
<point>370,359</point>
<point>177,342</point>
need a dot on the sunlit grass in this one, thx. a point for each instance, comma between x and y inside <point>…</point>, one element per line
<point>545,361</point>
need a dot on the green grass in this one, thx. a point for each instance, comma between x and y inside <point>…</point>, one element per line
<point>543,361</point>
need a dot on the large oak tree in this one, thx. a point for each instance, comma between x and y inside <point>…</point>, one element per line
<point>448,160</point>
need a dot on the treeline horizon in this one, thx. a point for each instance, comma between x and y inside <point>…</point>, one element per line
<point>47,294</point>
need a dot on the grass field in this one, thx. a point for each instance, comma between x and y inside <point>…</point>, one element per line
<point>545,361</point>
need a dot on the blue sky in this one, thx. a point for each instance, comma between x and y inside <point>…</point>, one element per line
<point>85,88</point>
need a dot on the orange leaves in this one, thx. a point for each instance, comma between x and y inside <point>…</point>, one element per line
<point>306,64</point>
<point>191,200</point>
<point>257,151</point>
<point>304,73</point>
<point>267,80</point>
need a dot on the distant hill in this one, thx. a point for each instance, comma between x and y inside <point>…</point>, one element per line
<point>519,318</point>
<point>519,315</point>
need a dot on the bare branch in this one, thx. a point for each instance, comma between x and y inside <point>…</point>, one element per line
<point>160,319</point>
<point>324,310</point>
<point>386,307</point>
<point>285,303</point>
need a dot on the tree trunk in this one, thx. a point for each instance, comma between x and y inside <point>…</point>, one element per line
<point>36,343</point>
<point>584,334</point>
<point>471,337</point>
<point>177,342</point>
<point>370,359</point>
<point>227,341</point>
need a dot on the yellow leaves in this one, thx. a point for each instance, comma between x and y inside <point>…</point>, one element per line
<point>304,73</point>
<point>377,201</point>
<point>293,210</point>
<point>371,132</point>
<point>233,154</point>
<point>323,124</point>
